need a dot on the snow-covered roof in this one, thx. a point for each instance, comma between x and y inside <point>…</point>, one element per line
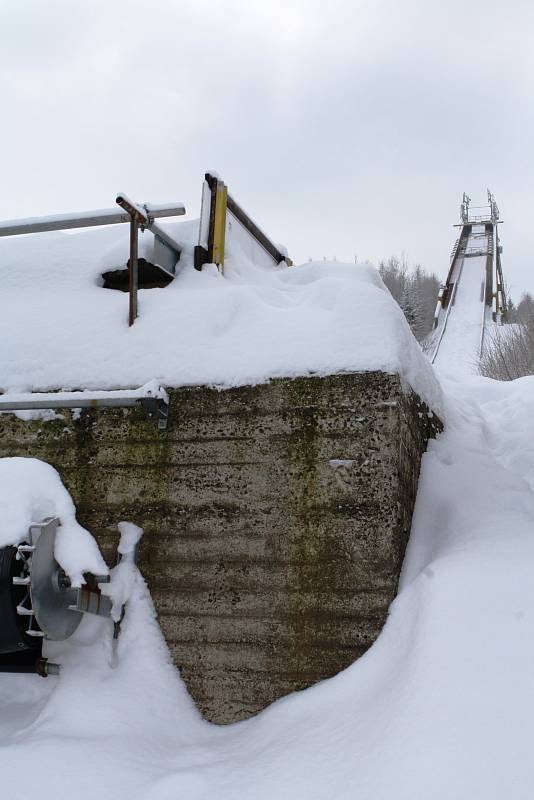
<point>61,330</point>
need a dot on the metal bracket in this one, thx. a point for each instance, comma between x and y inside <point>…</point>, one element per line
<point>93,602</point>
<point>156,409</point>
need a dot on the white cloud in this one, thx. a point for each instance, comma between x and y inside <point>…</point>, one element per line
<point>344,127</point>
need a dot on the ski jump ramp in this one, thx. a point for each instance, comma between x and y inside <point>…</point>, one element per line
<point>472,300</point>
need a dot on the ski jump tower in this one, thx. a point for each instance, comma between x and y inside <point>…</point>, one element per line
<point>473,296</point>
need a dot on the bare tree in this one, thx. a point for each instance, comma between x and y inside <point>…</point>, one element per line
<point>525,307</point>
<point>509,354</point>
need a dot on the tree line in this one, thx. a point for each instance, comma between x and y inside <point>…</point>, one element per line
<point>415,290</point>
<point>523,311</point>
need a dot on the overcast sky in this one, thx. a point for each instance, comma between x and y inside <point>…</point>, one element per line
<point>343,127</point>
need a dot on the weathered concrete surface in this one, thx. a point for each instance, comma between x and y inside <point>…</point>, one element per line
<point>276,519</point>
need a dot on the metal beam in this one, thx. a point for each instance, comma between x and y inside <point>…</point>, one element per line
<point>165,237</point>
<point>241,215</point>
<point>85,219</point>
<point>155,404</point>
<point>219,227</point>
<point>215,185</point>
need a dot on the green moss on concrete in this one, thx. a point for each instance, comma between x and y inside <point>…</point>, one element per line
<point>269,568</point>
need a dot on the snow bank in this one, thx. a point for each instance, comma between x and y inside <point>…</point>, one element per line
<point>61,330</point>
<point>104,708</point>
<point>440,707</point>
<point>31,490</point>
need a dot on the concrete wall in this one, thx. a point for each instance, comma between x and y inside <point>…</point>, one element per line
<point>276,519</point>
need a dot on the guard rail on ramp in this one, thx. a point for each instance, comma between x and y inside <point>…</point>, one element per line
<point>460,331</point>
<point>472,299</point>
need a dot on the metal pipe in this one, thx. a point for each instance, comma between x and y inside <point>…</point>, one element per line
<point>44,401</point>
<point>246,221</point>
<point>138,216</point>
<point>40,666</point>
<point>484,292</point>
<point>133,271</point>
<point>20,668</point>
<point>451,303</point>
<point>83,219</point>
<point>156,405</point>
<point>156,210</point>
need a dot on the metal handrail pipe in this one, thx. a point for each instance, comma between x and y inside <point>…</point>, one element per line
<point>81,402</point>
<point>84,219</point>
<point>451,303</point>
<point>154,399</point>
<point>22,401</point>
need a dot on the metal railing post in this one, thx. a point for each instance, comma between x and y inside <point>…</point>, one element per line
<point>133,271</point>
<point>138,217</point>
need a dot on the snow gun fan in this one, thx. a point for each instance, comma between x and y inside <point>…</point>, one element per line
<point>38,602</point>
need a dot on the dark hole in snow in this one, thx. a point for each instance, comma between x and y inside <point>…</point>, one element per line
<point>150,276</point>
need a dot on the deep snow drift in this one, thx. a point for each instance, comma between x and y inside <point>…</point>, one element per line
<point>61,330</point>
<point>441,706</point>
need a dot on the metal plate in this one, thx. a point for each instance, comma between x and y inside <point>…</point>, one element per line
<point>49,602</point>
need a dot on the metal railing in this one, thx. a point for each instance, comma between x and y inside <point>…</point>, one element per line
<point>138,215</point>
<point>152,397</point>
<point>491,210</point>
<point>479,218</point>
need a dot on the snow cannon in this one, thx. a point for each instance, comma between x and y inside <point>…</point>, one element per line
<point>38,602</point>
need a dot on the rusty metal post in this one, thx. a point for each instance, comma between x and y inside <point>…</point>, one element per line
<point>138,216</point>
<point>133,271</point>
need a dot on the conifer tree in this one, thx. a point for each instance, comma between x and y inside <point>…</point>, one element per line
<point>412,308</point>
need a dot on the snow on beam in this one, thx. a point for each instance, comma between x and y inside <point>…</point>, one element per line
<point>151,396</point>
<point>85,219</point>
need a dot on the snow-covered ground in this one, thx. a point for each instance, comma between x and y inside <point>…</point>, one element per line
<point>61,330</point>
<point>441,706</point>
